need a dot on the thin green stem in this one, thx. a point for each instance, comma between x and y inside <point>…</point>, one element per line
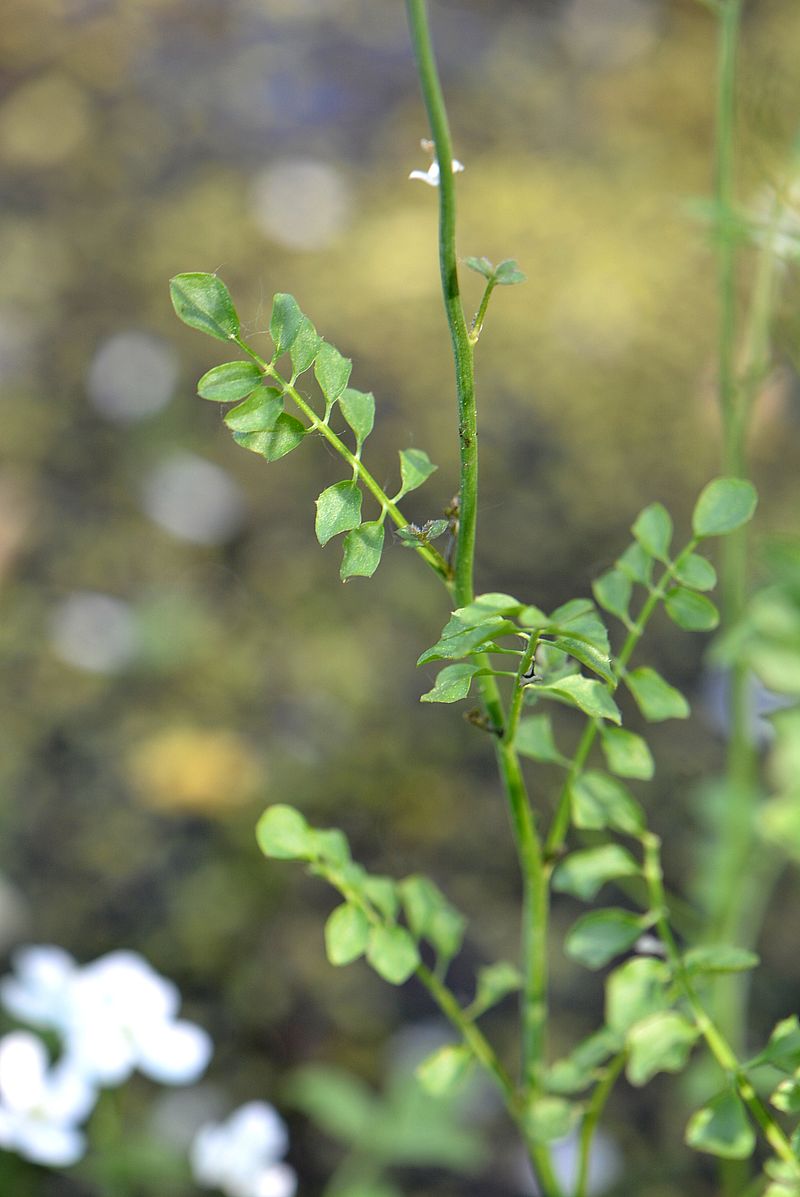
<point>480,315</point>
<point>717,1042</point>
<point>448,265</point>
<point>600,1096</point>
<point>518,694</point>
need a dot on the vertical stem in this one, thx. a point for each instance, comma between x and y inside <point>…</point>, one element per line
<point>448,265</point>
<point>535,912</point>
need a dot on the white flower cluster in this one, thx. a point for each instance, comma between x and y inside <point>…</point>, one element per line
<point>112,1017</point>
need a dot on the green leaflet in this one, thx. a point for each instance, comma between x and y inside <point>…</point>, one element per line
<point>338,510</point>
<point>655,698</point>
<point>203,302</point>
<point>285,322</point>
<point>361,551</point>
<point>229,382</point>
<point>724,505</point>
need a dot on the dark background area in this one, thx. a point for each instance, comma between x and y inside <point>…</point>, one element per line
<point>176,650</point>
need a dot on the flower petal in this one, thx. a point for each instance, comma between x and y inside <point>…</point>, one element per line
<point>37,990</point>
<point>23,1066</point>
<point>174,1053</point>
<point>277,1181</point>
<point>48,1143</point>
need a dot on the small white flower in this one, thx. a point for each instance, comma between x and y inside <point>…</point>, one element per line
<point>242,1156</point>
<point>432,174</point>
<point>113,1016</point>
<point>40,1107</point>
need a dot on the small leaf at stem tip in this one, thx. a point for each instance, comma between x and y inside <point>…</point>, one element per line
<point>613,592</point>
<point>725,504</point>
<point>722,1128</point>
<point>691,611</point>
<point>338,510</point>
<point>655,698</point>
<point>583,874</point>
<point>578,1070</point>
<point>259,413</point>
<point>626,753</point>
<point>783,1049</point>
<point>415,468</point>
<point>508,274</point>
<point>346,934</point>
<point>452,684</point>
<point>392,953</point>
<point>601,935</point>
<point>284,437</point>
<point>229,382</point>
<point>332,371</point>
<point>285,322</point>
<point>480,266</point>
<point>284,834</point>
<point>362,548</point>
<point>305,347</point>
<point>660,1043</point>
<point>653,530</point>
<point>358,408</point>
<point>786,1097</point>
<point>203,302</point>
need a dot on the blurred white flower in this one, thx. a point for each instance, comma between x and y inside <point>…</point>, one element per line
<point>431,175</point>
<point>301,203</point>
<point>241,1156</point>
<point>37,991</point>
<point>93,631</point>
<point>193,499</point>
<point>40,1106</point>
<point>113,1016</point>
<point>132,376</point>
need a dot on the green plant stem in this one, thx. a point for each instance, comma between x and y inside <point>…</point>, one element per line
<point>600,1096</point>
<point>535,905</point>
<point>448,265</point>
<point>480,315</point>
<point>717,1042</point>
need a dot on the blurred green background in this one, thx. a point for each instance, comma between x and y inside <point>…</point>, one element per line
<point>177,652</point>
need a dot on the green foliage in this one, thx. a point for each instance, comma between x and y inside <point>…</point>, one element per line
<point>358,408</point>
<point>655,698</point>
<point>549,1118</point>
<point>392,953</point>
<point>259,413</point>
<point>636,990</point>
<point>583,1066</point>
<point>583,874</point>
<point>534,738</point>
<point>506,274</point>
<point>430,916</point>
<point>653,530</point>
<point>361,551</point>
<point>286,434</point>
<point>446,1070</point>
<point>613,591</point>
<point>722,1128</point>
<point>695,571</point>
<point>285,322</point>
<point>346,934</point>
<point>691,611</point>
<point>229,382</point>
<point>600,801</point>
<point>724,505</point>
<point>332,372</point>
<point>203,302</point>
<point>338,510</point>
<point>494,982</point>
<point>587,695</point>
<point>597,937</point>
<point>627,754</point>
<point>660,1043</point>
<point>415,468</point>
<point>723,959</point>
<point>452,684</point>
